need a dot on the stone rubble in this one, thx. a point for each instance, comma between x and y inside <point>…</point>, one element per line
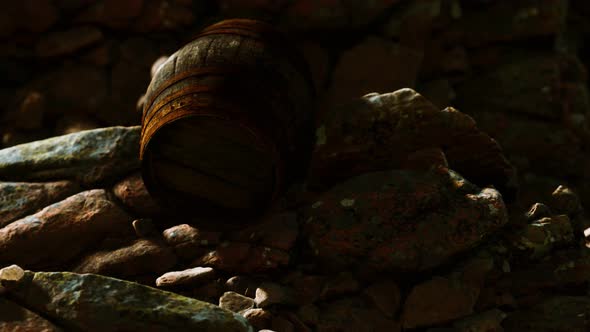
<point>412,217</point>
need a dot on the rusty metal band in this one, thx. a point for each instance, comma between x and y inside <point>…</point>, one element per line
<point>154,109</point>
<point>195,72</point>
<point>257,26</point>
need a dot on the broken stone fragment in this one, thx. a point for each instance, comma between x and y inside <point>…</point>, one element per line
<point>21,198</point>
<point>270,293</point>
<point>88,302</point>
<point>88,156</point>
<point>15,318</point>
<point>545,234</point>
<point>142,256</point>
<point>192,277</point>
<point>235,302</point>
<point>134,195</point>
<point>63,230</point>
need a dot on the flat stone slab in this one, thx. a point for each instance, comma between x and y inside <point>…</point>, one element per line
<point>88,157</point>
<point>89,302</point>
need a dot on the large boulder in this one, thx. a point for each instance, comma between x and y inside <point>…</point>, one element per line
<point>401,220</point>
<point>381,131</point>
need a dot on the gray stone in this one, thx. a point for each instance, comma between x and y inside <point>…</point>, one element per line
<point>89,156</point>
<point>235,302</point>
<point>91,302</point>
<point>17,199</point>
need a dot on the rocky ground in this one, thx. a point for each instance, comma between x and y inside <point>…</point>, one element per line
<point>456,208</point>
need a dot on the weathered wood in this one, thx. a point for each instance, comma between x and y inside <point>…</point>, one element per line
<point>227,121</point>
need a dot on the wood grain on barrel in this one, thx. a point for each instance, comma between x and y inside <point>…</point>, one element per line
<point>228,120</point>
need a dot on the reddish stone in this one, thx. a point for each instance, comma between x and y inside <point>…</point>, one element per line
<point>134,195</point>
<point>66,42</point>
<point>258,318</point>
<point>308,288</point>
<point>244,258</point>
<point>62,230</point>
<point>235,302</point>
<point>269,293</point>
<point>139,257</point>
<point>194,276</point>
<point>22,198</point>
<point>19,319</point>
<point>189,242</point>
<point>243,285</point>
<point>439,300</point>
<point>400,220</point>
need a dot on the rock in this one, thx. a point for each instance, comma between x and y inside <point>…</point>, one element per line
<point>307,287</point>
<point>558,157</point>
<point>88,157</point>
<point>439,300</point>
<point>194,276</point>
<point>91,302</point>
<point>391,67</point>
<point>11,273</point>
<point>314,15</point>
<point>163,15</point>
<point>142,256</point>
<point>258,318</point>
<point>279,231</point>
<point>309,314</point>
<point>18,319</point>
<point>243,258</point>
<point>30,15</point>
<point>425,159</point>
<point>243,285</point>
<point>488,321</point>
<point>157,64</point>
<point>384,295</point>
<point>538,211</point>
<point>134,195</point>
<point>541,236</point>
<point>235,302</point>
<point>379,132</point>
<point>556,314</point>
<point>343,284</point>
<point>279,323</point>
<point>144,227</point>
<point>537,94</point>
<point>22,198</point>
<point>62,230</point>
<point>67,42</point>
<point>400,220</point>
<point>210,292</point>
<point>189,242</point>
<point>565,201</point>
<point>352,314</point>
<point>269,293</point>
<point>30,112</point>
<point>512,22</point>
<point>112,13</point>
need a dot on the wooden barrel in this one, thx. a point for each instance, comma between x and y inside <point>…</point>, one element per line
<point>227,122</point>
